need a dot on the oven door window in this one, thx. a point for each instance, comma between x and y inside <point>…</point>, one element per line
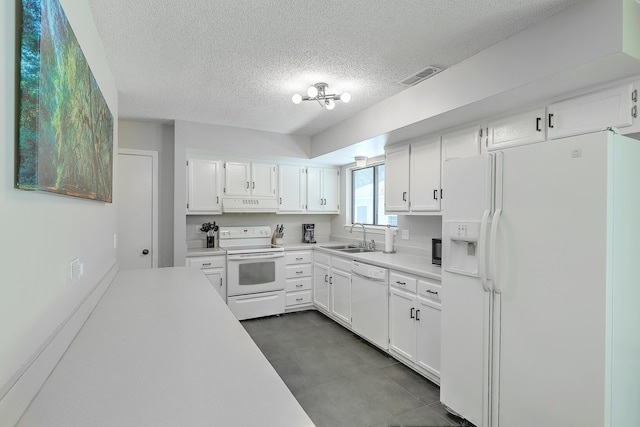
<point>256,273</point>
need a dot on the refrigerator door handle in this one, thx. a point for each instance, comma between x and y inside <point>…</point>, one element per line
<point>493,249</point>
<point>482,255</point>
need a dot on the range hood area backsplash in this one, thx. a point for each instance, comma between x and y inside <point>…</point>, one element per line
<point>292,224</point>
<point>327,227</point>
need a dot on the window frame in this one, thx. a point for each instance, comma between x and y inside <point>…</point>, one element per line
<point>376,214</point>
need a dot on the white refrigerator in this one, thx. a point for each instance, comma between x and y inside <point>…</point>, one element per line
<point>541,285</point>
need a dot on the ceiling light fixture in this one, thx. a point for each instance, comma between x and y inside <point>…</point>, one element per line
<point>361,161</point>
<point>318,92</point>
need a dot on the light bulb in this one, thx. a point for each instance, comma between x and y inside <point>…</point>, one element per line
<point>296,98</point>
<point>312,91</point>
<point>345,97</point>
<point>330,104</point>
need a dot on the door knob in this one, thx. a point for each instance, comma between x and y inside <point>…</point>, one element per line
<point>145,252</point>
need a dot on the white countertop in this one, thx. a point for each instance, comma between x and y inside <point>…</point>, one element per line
<point>162,349</point>
<point>206,252</point>
<point>407,263</point>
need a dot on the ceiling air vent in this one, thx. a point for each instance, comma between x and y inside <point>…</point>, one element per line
<point>420,76</point>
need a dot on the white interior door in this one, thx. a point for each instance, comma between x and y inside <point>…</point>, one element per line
<point>137,208</point>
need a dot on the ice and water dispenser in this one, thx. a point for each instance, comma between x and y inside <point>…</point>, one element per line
<point>461,253</point>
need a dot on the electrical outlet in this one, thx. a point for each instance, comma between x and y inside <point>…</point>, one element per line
<point>76,268</point>
<point>405,234</point>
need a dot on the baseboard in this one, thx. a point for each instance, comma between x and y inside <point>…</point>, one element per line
<point>28,381</point>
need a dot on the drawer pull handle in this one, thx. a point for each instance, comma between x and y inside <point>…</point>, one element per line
<point>401,283</point>
<point>206,263</point>
<point>299,259</point>
<point>299,286</point>
<point>299,299</point>
<point>429,291</point>
<point>299,272</point>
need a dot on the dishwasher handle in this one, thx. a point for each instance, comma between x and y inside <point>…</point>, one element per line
<point>373,279</point>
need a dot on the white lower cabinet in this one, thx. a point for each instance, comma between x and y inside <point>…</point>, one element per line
<point>298,279</point>
<point>332,286</point>
<point>214,268</point>
<point>414,323</point>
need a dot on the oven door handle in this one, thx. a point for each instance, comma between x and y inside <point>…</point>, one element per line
<point>244,257</point>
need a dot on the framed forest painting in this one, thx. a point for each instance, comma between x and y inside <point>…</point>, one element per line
<point>65,127</point>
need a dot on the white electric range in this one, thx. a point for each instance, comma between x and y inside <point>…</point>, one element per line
<point>255,272</point>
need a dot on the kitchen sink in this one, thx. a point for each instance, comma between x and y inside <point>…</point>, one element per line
<point>340,247</point>
<point>356,250</point>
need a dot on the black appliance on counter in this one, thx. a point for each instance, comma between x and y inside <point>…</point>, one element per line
<point>308,233</point>
<point>436,251</point>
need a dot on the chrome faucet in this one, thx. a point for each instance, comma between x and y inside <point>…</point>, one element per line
<point>364,234</point>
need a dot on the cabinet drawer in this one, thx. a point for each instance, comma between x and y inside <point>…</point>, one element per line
<point>429,289</point>
<point>341,264</point>
<point>298,270</point>
<point>298,298</point>
<point>302,257</point>
<point>207,261</point>
<point>321,258</point>
<point>301,284</point>
<point>403,281</point>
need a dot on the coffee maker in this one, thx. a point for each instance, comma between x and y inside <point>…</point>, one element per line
<point>308,233</point>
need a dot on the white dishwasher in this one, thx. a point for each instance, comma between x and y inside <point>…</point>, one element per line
<point>370,303</point>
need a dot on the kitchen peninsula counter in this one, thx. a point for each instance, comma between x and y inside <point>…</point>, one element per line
<point>162,349</point>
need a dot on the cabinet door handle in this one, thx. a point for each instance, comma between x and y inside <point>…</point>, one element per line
<point>247,184</point>
<point>280,200</point>
<point>418,315</point>
<point>254,185</point>
<point>331,280</point>
<point>326,278</point>
<point>404,196</point>
<point>412,316</point>
<point>538,120</point>
<point>221,281</point>
<point>550,122</point>
<point>435,194</point>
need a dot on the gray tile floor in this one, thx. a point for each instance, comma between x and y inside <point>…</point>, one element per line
<point>340,380</point>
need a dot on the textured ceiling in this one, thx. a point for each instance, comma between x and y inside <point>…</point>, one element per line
<point>237,62</point>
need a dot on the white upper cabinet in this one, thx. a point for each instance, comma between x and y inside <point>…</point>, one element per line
<point>203,186</point>
<point>461,143</point>
<point>250,179</point>
<point>323,190</point>
<point>424,176</point>
<point>396,180</point>
<point>525,128</point>
<point>263,180</point>
<point>591,112</point>
<point>292,185</point>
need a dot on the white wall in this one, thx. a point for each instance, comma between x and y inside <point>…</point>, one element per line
<point>153,136</point>
<point>41,233</point>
